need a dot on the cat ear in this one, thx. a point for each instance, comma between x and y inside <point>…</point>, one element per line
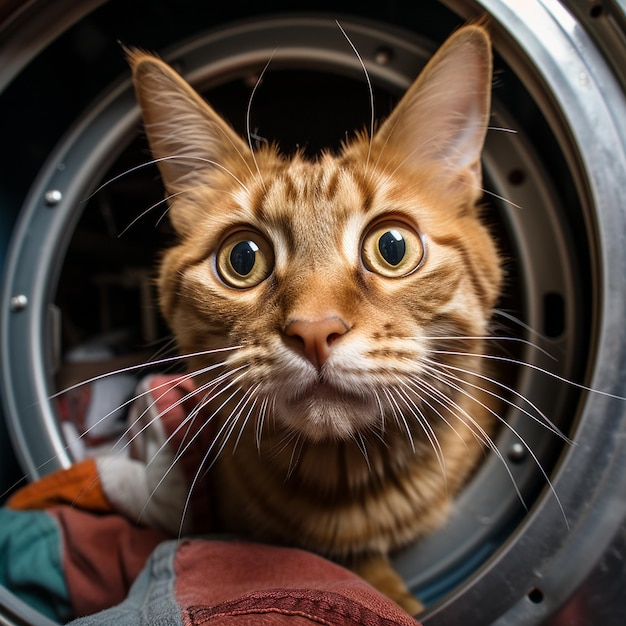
<point>441,121</point>
<point>188,138</point>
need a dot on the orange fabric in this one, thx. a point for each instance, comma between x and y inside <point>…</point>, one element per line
<point>78,486</point>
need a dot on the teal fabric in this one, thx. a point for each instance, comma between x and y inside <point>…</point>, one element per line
<point>31,561</point>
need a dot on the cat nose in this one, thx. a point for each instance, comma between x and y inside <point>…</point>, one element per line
<point>317,337</point>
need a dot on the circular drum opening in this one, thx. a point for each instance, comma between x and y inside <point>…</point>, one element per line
<point>80,302</point>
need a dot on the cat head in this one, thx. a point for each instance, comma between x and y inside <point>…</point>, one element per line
<point>327,283</point>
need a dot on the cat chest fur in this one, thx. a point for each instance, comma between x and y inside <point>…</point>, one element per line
<point>336,501</point>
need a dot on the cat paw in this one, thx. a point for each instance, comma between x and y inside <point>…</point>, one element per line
<point>378,572</point>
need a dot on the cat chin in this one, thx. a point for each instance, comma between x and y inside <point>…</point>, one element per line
<point>324,418</point>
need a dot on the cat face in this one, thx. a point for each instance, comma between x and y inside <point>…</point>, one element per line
<point>324,288</point>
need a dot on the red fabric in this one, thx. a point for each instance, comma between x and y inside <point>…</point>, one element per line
<point>102,556</point>
<point>245,584</point>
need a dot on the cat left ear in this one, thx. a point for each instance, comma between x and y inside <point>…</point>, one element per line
<point>441,122</point>
<point>190,141</point>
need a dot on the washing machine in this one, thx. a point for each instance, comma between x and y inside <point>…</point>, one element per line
<point>538,535</point>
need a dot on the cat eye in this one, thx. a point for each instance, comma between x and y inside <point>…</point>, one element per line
<point>392,249</point>
<point>244,260</point>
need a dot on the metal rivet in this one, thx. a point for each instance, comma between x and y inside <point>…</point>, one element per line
<point>18,303</point>
<point>53,197</point>
<point>517,453</point>
<point>383,56</point>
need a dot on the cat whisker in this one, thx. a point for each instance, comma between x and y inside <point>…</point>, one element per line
<point>399,417</point>
<point>140,366</point>
<point>210,395</point>
<point>537,368</point>
<point>248,118</point>
<point>101,420</point>
<point>491,338</point>
<point>453,407</point>
<point>518,322</point>
<point>294,458</point>
<point>156,161</point>
<point>381,413</point>
<point>502,129</point>
<point>184,446</point>
<point>150,209</point>
<point>223,435</point>
<point>210,162</point>
<point>371,93</point>
<point>481,435</point>
<point>260,422</point>
<point>170,384</point>
<point>497,196</point>
<point>160,414</point>
<point>540,417</point>
<point>457,387</point>
<point>251,391</point>
<point>427,429</point>
<point>426,392</point>
<point>360,444</point>
<point>117,177</point>
<point>164,213</point>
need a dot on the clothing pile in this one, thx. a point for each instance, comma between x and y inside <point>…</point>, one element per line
<point>117,539</point>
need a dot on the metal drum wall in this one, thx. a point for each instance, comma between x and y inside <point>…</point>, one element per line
<point>555,165</point>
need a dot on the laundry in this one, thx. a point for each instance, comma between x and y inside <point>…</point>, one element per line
<point>118,539</point>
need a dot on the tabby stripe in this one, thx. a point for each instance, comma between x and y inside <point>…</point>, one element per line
<point>458,244</point>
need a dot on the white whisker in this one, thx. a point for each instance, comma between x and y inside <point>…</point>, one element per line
<point>371,93</point>
<point>183,448</point>
<point>198,390</point>
<point>248,116</point>
<point>420,387</point>
<point>360,444</point>
<point>477,430</point>
<point>512,131</point>
<point>187,157</point>
<point>459,389</point>
<point>518,322</point>
<point>537,368</point>
<point>426,427</point>
<point>150,209</point>
<point>540,417</point>
<point>250,392</point>
<point>399,417</point>
<point>294,456</point>
<point>493,338</point>
<point>260,422</point>
<point>146,365</point>
<point>501,198</point>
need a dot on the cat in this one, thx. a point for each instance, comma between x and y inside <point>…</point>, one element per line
<point>331,298</point>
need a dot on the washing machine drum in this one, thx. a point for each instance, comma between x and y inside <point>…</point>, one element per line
<point>537,535</point>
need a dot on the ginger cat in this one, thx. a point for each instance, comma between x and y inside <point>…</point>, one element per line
<point>328,296</point>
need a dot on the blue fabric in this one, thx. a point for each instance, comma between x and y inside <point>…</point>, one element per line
<point>151,601</point>
<point>31,561</point>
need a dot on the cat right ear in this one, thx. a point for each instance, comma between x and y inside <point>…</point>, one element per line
<point>191,143</point>
<point>441,122</point>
